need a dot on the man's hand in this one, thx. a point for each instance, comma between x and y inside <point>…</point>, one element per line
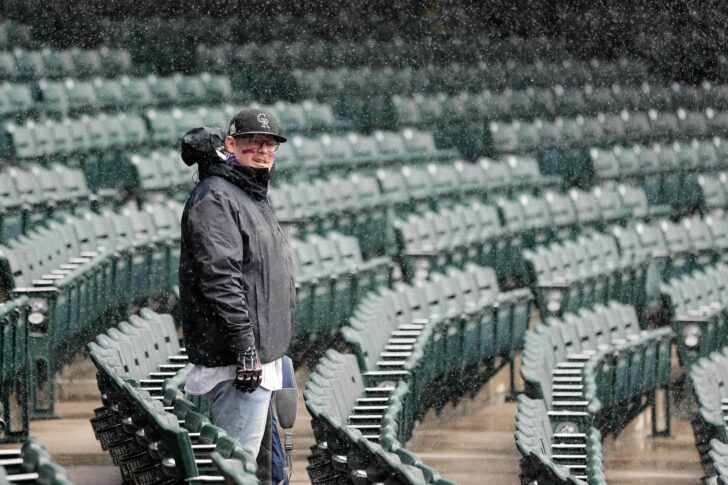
<point>249,372</point>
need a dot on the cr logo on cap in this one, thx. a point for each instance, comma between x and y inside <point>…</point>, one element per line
<point>263,121</point>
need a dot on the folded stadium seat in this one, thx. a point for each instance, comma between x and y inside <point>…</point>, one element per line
<point>191,90</point>
<point>58,63</point>
<point>681,186</point>
<point>496,106</point>
<point>343,278</point>
<point>115,62</point>
<point>525,171</point>
<point>406,110</point>
<point>164,90</point>
<point>30,191</point>
<point>136,92</point>
<point>613,129</point>
<point>416,252</point>
<point>717,122</point>
<point>591,130</point>
<point>563,215</point>
<point>510,264</point>
<point>53,98</point>
<point>29,64</point>
<point>81,96</point>
<point>162,125</point>
<point>87,62</point>
<point>642,163</point>
<point>691,124</point>
<point>707,152</point>
<point>218,88</point>
<point>636,126</point>
<point>568,101</point>
<point>13,209</point>
<point>308,154</point>
<point>588,213</point>
<point>16,101</point>
<point>605,164</point>
<point>635,202</point>
<point>713,191</point>
<point>599,100</point>
<point>422,145</point>
<point>703,250</point>
<point>338,153</point>
<point>503,138</point>
<point>611,207</point>
<point>538,219</point>
<point>430,109</point>
<point>661,181</point>
<point>664,125</point>
<point>719,230</point>
<point>307,267</point>
<point>8,70</point>
<point>110,94</point>
<point>679,245</point>
<point>496,175</point>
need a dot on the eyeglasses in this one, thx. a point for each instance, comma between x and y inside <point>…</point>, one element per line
<point>259,141</point>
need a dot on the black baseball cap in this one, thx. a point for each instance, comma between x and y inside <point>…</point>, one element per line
<point>253,121</point>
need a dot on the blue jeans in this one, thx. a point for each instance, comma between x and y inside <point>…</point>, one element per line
<point>241,414</point>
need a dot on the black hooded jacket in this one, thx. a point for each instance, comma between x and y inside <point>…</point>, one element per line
<point>236,271</point>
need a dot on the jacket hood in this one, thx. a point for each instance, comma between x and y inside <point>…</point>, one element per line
<point>203,146</point>
<point>199,145</point>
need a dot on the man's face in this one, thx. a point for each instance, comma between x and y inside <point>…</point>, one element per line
<point>257,151</point>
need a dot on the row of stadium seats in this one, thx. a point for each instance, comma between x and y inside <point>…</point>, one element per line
<point>330,84</point>
<point>550,102</point>
<point>496,232</point>
<point>322,154</point>
<point>569,275</point>
<point>414,347</point>
<point>707,379</point>
<point>395,53</point>
<point>33,65</point>
<point>591,369</point>
<point>34,196</point>
<point>454,329</point>
<point>78,269</point>
<point>31,464</point>
<point>331,278</point>
<point>566,276</point>
<point>73,96</point>
<point>107,132</point>
<point>410,186</point>
<point>149,439</point>
<point>534,437</point>
<point>604,130</point>
<point>345,454</point>
<point>695,306</point>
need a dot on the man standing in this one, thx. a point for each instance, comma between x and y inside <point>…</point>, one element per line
<point>237,293</point>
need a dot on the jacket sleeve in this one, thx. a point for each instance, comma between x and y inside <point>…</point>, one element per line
<point>217,245</point>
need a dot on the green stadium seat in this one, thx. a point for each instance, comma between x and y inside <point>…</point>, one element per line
<point>87,62</point>
<point>54,98</point>
<point>29,64</point>
<point>136,92</point>
<point>8,70</point>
